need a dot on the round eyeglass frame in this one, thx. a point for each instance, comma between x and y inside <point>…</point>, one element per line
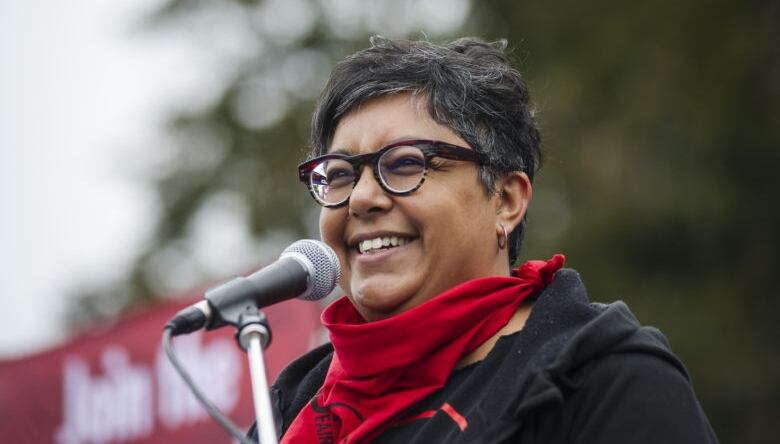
<point>429,148</point>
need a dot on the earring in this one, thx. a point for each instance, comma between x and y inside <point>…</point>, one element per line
<point>502,238</point>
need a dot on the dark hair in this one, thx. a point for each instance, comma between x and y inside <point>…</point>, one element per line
<point>470,87</point>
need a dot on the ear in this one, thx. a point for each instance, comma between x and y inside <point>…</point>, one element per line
<point>514,192</point>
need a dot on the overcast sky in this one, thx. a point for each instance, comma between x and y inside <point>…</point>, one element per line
<point>82,98</point>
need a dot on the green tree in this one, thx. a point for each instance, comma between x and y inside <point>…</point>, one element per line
<point>661,129</point>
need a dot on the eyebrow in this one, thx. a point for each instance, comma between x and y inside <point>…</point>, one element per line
<point>347,152</point>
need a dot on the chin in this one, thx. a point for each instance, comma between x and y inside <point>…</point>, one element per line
<point>377,302</point>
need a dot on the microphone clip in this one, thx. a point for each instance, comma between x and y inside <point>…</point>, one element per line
<point>253,321</point>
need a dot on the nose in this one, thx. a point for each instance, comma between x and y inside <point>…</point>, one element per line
<point>368,196</point>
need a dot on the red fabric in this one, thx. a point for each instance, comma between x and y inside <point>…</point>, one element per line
<point>113,384</point>
<point>381,368</point>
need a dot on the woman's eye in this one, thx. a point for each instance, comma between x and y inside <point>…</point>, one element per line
<point>339,176</point>
<point>407,162</point>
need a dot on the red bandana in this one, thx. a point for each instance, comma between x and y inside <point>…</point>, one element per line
<point>377,373</point>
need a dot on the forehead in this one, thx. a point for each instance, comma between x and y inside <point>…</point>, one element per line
<point>385,120</point>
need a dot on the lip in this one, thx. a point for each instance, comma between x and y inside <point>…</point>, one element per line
<point>379,256</point>
<point>354,240</point>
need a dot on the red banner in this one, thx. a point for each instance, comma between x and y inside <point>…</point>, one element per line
<point>116,384</point>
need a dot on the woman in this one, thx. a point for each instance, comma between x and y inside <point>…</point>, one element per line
<point>424,158</point>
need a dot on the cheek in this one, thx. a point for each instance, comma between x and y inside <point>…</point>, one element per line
<point>462,227</point>
<point>463,209</point>
<point>332,225</point>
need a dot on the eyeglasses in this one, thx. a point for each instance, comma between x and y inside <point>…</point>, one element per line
<point>400,168</point>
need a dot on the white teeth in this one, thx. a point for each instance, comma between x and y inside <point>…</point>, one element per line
<point>374,244</point>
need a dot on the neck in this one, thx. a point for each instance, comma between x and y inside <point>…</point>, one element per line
<point>515,324</point>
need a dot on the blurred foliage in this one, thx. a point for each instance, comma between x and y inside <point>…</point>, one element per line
<point>661,132</point>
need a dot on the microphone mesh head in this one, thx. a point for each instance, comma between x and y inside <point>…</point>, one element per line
<point>326,266</point>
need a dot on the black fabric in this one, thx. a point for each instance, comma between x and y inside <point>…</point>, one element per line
<point>576,373</point>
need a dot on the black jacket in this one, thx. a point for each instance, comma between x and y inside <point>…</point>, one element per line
<point>576,373</point>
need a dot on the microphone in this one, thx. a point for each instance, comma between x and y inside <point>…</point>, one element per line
<point>307,269</point>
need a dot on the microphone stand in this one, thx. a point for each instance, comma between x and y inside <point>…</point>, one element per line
<point>253,335</point>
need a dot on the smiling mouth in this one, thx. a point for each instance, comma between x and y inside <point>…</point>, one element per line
<point>371,246</point>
